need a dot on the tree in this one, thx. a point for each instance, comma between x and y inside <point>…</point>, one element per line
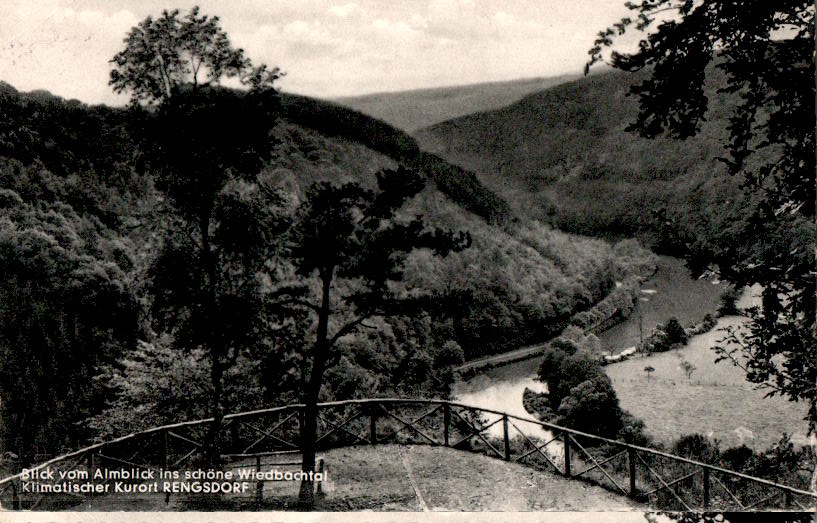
<point>765,50</point>
<point>563,370</point>
<point>675,331</point>
<point>349,246</point>
<point>729,302</point>
<point>165,55</point>
<point>592,406</point>
<point>206,145</point>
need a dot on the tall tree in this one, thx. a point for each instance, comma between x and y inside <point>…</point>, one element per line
<point>163,55</point>
<point>205,144</point>
<point>348,243</point>
<point>766,51</point>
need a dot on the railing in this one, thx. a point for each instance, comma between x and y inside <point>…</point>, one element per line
<point>658,479</point>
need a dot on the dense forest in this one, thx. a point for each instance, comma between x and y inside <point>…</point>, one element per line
<point>563,155</point>
<point>90,243</point>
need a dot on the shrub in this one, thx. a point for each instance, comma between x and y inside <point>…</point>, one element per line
<point>449,355</point>
<point>562,372</point>
<point>632,430</point>
<point>729,299</point>
<point>697,447</point>
<point>737,458</point>
<point>592,406</point>
<point>675,331</point>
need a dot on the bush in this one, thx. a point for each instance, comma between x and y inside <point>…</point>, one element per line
<point>697,447</point>
<point>675,331</point>
<point>729,300</point>
<point>562,372</point>
<point>592,406</point>
<point>632,430</point>
<point>450,355</point>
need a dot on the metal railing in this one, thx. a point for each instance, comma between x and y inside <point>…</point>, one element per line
<point>658,479</point>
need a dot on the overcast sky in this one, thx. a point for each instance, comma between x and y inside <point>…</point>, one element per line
<point>328,48</point>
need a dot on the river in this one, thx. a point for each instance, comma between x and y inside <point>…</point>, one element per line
<point>673,404</point>
<point>669,292</point>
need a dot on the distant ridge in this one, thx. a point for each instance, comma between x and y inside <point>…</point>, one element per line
<point>417,108</point>
<point>561,155</point>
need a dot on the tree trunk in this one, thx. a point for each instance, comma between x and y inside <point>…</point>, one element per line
<point>212,341</point>
<point>306,496</point>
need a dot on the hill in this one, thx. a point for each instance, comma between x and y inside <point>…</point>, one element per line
<point>81,223</point>
<point>562,156</point>
<point>419,108</point>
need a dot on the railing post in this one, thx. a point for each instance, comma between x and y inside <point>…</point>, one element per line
<point>446,421</point>
<point>786,499</point>
<point>259,486</point>
<point>631,464</point>
<point>319,486</point>
<point>566,442</point>
<point>706,488</point>
<point>15,497</point>
<point>507,438</point>
<point>373,423</point>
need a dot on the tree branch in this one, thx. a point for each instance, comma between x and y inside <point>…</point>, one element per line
<point>349,328</point>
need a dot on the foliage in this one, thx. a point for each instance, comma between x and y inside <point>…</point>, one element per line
<point>457,183</point>
<point>765,53</point>
<point>633,431</point>
<point>347,240</point>
<point>67,306</point>
<point>675,331</point>
<point>562,372</point>
<point>164,55</point>
<point>729,300</point>
<point>203,141</point>
<point>665,336</point>
<point>688,367</point>
<point>697,447</point>
<point>580,393</point>
<point>592,406</point>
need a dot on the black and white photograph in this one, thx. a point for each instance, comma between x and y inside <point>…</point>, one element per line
<point>380,260</point>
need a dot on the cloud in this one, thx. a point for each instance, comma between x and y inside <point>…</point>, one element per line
<point>327,47</point>
<point>345,10</point>
<point>61,47</point>
<point>394,29</point>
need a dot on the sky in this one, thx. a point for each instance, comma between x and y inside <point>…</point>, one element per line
<point>328,48</point>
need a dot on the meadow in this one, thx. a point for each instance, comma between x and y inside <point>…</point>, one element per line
<point>716,400</point>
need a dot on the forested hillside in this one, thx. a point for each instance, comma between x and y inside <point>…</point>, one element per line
<point>562,156</point>
<point>84,236</point>
<point>419,108</point>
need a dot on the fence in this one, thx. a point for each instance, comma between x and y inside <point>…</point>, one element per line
<point>658,479</point>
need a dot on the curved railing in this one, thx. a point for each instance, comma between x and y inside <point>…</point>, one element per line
<point>658,479</point>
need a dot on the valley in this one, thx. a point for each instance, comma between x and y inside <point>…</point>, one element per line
<point>713,402</point>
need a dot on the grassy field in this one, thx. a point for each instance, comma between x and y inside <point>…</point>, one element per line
<point>717,400</point>
<point>405,478</point>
